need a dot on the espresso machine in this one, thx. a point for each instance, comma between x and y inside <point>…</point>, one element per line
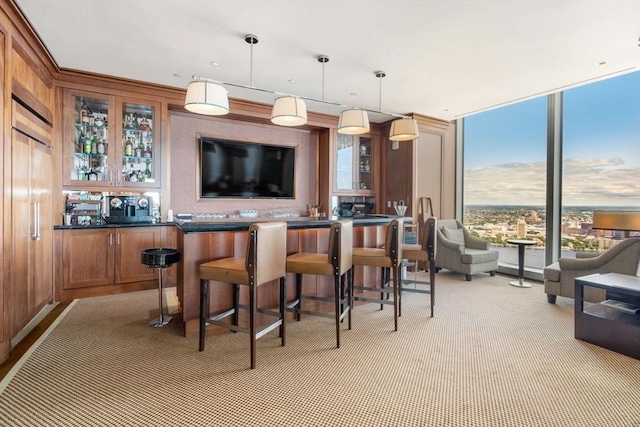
<point>129,210</point>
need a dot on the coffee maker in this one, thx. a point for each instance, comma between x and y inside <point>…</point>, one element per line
<point>129,210</point>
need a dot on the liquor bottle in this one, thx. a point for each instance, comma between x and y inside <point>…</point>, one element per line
<point>147,151</point>
<point>81,141</point>
<point>139,150</point>
<point>94,143</point>
<point>100,147</point>
<point>128,148</point>
<point>147,171</point>
<point>87,145</point>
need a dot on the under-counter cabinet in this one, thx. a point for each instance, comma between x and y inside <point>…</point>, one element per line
<point>355,165</point>
<point>105,261</point>
<point>110,141</point>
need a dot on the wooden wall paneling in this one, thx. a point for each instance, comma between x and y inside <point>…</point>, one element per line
<point>20,220</point>
<point>5,340</point>
<point>31,82</point>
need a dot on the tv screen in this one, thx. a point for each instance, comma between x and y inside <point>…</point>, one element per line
<point>237,169</point>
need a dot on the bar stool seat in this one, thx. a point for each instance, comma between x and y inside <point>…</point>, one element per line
<point>160,258</point>
<point>264,262</point>
<point>388,258</point>
<point>424,251</point>
<point>335,263</point>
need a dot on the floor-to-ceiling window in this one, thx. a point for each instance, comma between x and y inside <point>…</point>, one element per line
<point>504,178</point>
<point>505,167</point>
<point>601,159</point>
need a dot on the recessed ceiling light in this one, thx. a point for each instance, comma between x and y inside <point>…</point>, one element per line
<point>292,81</point>
<point>215,64</point>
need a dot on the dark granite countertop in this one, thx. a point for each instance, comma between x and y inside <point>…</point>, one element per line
<point>240,224</point>
<point>94,226</point>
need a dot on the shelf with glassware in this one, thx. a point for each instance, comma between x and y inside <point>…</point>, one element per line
<point>355,165</point>
<point>108,152</point>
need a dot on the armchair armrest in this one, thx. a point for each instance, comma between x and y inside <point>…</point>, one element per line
<point>580,263</point>
<point>473,242</point>
<point>449,244</point>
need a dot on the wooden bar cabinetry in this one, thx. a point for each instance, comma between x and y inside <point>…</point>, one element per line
<point>101,261</point>
<point>110,141</point>
<point>355,165</point>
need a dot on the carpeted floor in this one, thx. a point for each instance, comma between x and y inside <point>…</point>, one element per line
<point>493,355</point>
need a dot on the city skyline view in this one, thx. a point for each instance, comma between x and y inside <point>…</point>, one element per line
<point>505,149</point>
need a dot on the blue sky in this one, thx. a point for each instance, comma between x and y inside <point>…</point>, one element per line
<point>505,148</point>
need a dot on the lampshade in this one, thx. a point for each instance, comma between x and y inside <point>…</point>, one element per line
<point>616,220</point>
<point>404,130</point>
<point>289,111</point>
<point>353,122</point>
<point>206,98</point>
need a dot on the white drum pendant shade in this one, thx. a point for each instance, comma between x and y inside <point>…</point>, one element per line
<point>404,130</point>
<point>353,122</point>
<point>289,111</point>
<point>207,98</point>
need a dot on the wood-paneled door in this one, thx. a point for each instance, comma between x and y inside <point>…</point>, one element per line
<point>31,283</point>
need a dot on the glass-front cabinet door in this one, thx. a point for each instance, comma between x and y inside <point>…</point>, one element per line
<point>88,138</point>
<point>110,141</point>
<point>344,178</point>
<point>354,165</point>
<point>139,160</point>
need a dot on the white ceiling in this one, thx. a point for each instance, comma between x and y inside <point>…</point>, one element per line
<point>445,59</point>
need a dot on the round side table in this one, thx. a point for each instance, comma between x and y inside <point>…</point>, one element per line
<point>520,283</point>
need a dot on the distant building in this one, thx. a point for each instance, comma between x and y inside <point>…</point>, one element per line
<point>521,229</point>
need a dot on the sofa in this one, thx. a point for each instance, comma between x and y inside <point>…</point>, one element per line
<point>459,251</point>
<point>623,258</point>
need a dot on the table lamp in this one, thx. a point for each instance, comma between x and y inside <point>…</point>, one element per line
<point>617,220</point>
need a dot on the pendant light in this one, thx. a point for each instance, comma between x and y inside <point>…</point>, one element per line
<point>289,111</point>
<point>206,98</point>
<point>353,122</point>
<point>405,129</point>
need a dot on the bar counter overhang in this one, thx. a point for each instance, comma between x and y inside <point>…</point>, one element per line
<point>202,241</point>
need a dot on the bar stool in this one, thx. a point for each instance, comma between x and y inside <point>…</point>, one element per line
<point>388,257</point>
<point>264,262</point>
<point>336,263</point>
<point>425,251</point>
<point>160,258</point>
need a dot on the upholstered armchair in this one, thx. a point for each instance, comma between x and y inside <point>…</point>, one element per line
<point>459,251</point>
<point>623,258</point>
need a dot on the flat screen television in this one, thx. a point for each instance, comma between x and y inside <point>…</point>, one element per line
<point>237,169</point>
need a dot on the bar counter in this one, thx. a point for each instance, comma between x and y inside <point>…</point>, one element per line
<point>201,241</point>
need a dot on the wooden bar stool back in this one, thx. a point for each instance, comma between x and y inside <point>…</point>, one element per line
<point>265,261</point>
<point>424,251</point>
<point>389,257</point>
<point>336,263</point>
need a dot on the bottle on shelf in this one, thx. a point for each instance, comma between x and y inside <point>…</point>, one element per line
<point>139,150</point>
<point>128,148</point>
<point>147,170</point>
<point>94,143</point>
<point>100,148</point>
<point>86,148</point>
<point>147,151</point>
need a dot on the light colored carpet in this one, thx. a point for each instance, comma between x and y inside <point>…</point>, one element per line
<point>493,355</point>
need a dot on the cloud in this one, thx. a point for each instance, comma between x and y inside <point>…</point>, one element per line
<point>586,181</point>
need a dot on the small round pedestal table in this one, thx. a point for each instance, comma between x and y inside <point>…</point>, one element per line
<point>520,283</point>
